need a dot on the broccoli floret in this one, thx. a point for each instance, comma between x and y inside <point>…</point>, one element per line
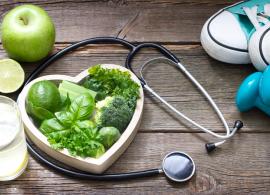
<point>113,111</point>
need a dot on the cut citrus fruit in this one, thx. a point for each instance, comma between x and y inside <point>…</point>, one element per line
<point>13,158</point>
<point>14,167</point>
<point>11,76</point>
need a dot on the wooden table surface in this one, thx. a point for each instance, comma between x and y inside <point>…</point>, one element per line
<point>240,167</point>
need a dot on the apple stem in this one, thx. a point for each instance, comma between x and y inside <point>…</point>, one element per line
<point>24,20</point>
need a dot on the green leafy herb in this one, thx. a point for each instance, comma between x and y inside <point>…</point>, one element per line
<point>70,129</point>
<point>65,118</point>
<point>112,82</point>
<point>66,101</point>
<point>82,107</point>
<point>51,125</point>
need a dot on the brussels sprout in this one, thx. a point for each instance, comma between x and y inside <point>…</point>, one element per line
<point>108,136</point>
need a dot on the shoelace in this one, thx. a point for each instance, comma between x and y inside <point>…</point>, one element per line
<point>257,18</point>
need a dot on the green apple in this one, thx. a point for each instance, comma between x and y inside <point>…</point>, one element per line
<point>27,33</point>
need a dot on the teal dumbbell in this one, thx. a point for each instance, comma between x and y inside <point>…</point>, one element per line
<point>255,92</point>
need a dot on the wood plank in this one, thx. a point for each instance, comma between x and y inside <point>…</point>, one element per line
<point>240,167</point>
<point>221,80</point>
<point>161,21</point>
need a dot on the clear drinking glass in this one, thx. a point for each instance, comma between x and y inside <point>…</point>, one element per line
<point>13,149</point>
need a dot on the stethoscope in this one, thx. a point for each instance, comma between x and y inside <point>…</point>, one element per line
<point>177,166</point>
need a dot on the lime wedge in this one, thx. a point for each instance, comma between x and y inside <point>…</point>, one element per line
<point>11,76</point>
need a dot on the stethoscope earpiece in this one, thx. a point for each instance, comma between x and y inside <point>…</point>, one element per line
<point>212,146</point>
<point>238,124</point>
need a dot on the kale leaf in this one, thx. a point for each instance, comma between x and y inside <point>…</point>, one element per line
<point>112,82</point>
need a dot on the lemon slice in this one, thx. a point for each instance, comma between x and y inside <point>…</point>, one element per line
<point>13,159</point>
<point>11,169</point>
<point>11,76</point>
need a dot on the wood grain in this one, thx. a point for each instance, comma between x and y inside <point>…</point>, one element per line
<point>160,21</point>
<point>241,166</point>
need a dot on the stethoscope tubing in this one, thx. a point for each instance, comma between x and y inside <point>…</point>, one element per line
<point>85,175</point>
<point>134,49</point>
<point>229,133</point>
<point>69,171</point>
<point>137,48</point>
<point>56,56</point>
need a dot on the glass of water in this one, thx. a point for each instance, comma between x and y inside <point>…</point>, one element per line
<point>13,150</point>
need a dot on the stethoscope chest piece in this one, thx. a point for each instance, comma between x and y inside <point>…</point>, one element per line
<point>178,166</point>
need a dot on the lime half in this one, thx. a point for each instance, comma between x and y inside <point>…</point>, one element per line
<point>11,76</point>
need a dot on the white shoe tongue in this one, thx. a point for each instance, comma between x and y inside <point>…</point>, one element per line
<point>9,124</point>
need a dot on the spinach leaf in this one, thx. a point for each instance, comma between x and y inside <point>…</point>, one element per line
<point>82,107</point>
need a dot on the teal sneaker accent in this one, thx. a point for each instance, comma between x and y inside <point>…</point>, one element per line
<point>246,25</point>
<point>237,9</point>
<point>240,15</point>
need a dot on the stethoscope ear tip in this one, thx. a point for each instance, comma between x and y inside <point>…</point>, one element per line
<point>238,124</point>
<point>210,147</point>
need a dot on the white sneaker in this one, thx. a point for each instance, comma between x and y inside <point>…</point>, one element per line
<point>226,34</point>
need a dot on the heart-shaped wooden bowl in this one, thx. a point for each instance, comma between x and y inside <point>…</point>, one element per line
<point>86,164</point>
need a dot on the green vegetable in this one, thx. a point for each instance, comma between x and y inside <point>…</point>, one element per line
<point>38,112</point>
<point>70,126</point>
<point>73,90</point>
<point>113,112</point>
<point>43,99</point>
<point>112,82</point>
<point>51,125</point>
<point>108,136</point>
<point>66,118</point>
<point>86,124</point>
<point>70,129</point>
<point>65,102</point>
<point>82,107</point>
